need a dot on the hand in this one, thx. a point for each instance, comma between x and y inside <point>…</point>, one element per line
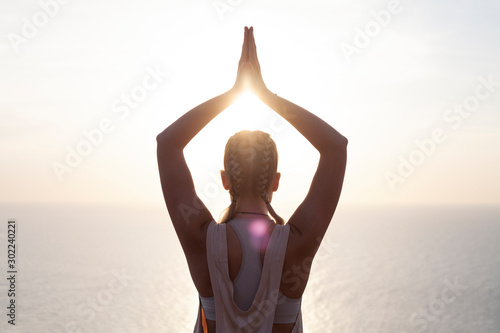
<point>255,77</point>
<point>241,83</point>
<point>249,75</point>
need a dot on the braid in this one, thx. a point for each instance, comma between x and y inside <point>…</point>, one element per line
<point>255,173</point>
<point>234,170</point>
<point>263,182</point>
<point>265,175</point>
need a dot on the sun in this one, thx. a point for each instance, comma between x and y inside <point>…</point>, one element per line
<point>246,113</point>
<point>250,110</point>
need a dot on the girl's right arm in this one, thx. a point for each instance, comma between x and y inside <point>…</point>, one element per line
<point>309,222</point>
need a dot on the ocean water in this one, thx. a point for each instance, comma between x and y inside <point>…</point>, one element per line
<point>105,269</point>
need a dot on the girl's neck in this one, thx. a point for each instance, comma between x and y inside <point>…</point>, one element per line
<point>251,204</point>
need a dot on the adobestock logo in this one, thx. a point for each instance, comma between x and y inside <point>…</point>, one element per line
<point>436,307</point>
<point>372,29</point>
<point>428,146</point>
<point>223,6</point>
<point>92,138</point>
<point>30,27</point>
<point>98,302</point>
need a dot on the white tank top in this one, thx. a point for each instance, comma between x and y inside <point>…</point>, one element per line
<point>234,313</point>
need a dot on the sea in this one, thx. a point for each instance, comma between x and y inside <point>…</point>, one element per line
<point>111,268</point>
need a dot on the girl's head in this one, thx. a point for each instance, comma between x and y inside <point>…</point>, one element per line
<point>250,169</point>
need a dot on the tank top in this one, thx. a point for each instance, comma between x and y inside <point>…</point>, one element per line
<point>234,311</point>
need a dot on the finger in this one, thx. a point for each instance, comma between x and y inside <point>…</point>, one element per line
<point>244,48</point>
<point>251,46</point>
<point>247,44</point>
<point>252,53</point>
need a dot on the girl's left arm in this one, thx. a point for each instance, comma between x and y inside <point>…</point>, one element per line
<point>187,212</point>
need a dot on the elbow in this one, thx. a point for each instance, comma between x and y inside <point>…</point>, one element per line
<point>338,144</point>
<point>166,141</point>
<point>160,143</point>
<point>343,142</point>
<point>335,148</point>
<point>163,142</point>
<point>164,138</point>
<point>342,147</point>
<point>160,138</point>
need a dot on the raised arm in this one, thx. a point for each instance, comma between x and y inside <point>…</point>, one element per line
<point>186,210</point>
<point>311,219</point>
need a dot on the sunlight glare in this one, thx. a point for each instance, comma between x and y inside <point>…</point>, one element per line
<point>249,110</point>
<point>246,113</point>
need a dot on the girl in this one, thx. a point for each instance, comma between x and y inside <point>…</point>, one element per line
<point>250,270</point>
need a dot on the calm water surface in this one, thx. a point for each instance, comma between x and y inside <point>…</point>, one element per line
<point>105,269</point>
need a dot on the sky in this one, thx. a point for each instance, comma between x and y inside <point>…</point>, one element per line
<point>86,86</point>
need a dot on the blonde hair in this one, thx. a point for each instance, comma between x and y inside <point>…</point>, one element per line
<point>250,161</point>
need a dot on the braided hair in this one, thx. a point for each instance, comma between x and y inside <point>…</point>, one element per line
<point>250,161</point>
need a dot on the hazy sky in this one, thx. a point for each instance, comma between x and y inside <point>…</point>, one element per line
<point>392,76</point>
